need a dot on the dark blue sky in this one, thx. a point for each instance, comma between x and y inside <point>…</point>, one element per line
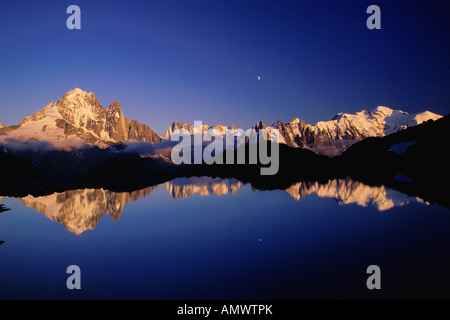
<point>199,60</point>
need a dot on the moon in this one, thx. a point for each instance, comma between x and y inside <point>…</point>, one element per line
<point>259,78</point>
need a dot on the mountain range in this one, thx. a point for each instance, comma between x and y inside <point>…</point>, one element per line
<point>78,118</point>
<point>400,151</point>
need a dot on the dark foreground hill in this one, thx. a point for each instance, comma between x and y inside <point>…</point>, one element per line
<point>414,160</point>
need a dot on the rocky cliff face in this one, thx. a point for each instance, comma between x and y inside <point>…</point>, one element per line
<point>120,128</point>
<point>116,125</point>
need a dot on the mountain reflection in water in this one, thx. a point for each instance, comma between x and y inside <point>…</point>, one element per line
<point>81,210</point>
<point>204,186</point>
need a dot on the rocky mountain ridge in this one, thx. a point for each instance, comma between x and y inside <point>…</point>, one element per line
<point>336,135</point>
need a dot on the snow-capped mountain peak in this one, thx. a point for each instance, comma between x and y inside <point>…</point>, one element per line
<point>78,118</point>
<point>74,92</point>
<point>385,111</point>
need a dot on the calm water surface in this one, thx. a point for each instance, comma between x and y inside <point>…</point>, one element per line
<point>204,238</point>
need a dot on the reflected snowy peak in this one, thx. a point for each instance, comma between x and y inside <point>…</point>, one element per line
<point>348,191</point>
<point>204,186</point>
<point>81,210</point>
